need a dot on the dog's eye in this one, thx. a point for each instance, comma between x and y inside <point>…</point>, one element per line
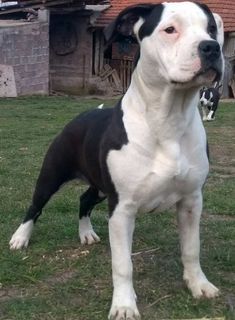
<point>170,30</point>
<point>212,30</point>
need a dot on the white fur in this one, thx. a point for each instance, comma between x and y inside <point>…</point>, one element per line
<point>189,212</point>
<point>175,57</point>
<point>220,26</point>
<point>86,233</point>
<point>121,227</point>
<point>204,104</point>
<point>165,161</point>
<point>20,238</point>
<point>209,117</point>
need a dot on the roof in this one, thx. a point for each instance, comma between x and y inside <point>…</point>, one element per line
<point>11,6</point>
<point>225,8</point>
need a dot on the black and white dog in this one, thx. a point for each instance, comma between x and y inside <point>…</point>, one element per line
<point>149,151</point>
<point>209,100</point>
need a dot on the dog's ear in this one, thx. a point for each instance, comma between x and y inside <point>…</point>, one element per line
<point>126,20</point>
<point>220,28</point>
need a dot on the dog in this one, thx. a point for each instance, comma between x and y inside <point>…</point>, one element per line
<point>209,100</point>
<point>147,153</point>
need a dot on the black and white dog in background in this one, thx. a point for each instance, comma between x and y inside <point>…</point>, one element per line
<point>209,100</point>
<point>149,151</point>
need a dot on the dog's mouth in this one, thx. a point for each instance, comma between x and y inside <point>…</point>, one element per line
<point>210,74</point>
<point>203,76</point>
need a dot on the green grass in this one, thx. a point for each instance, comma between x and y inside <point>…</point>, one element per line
<point>56,277</point>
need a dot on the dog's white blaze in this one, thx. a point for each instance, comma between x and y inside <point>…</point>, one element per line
<point>86,233</point>
<point>20,238</point>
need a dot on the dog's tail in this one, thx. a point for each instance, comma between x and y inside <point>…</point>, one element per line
<point>100,106</point>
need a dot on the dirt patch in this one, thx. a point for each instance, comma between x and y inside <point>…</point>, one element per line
<point>218,217</point>
<point>17,293</point>
<point>66,254</point>
<point>224,169</point>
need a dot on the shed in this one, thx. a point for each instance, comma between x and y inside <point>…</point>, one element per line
<point>46,45</point>
<point>73,56</point>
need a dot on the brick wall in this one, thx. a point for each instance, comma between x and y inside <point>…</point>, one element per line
<point>25,47</point>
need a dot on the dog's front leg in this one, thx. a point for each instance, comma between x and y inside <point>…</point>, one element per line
<point>121,228</point>
<point>204,113</point>
<point>189,212</point>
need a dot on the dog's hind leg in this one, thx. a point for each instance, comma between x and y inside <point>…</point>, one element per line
<point>54,172</point>
<point>45,188</point>
<point>211,114</point>
<point>88,200</point>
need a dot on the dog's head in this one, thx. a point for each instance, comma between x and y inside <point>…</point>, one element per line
<point>180,43</point>
<point>209,96</point>
<point>205,97</point>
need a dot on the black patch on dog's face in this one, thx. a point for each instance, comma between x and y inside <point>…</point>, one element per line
<point>207,94</point>
<point>151,22</point>
<point>211,27</point>
<point>125,21</point>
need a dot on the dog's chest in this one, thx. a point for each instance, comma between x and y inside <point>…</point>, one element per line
<point>152,179</point>
<point>164,159</point>
<point>163,182</point>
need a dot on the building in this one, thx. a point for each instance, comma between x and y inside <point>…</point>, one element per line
<point>58,45</point>
<point>46,45</point>
<point>124,62</point>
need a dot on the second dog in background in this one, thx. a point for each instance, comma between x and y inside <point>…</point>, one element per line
<point>209,100</point>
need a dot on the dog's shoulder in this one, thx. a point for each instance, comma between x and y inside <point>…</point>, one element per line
<point>116,135</point>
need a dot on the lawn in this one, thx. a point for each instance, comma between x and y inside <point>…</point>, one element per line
<point>56,277</point>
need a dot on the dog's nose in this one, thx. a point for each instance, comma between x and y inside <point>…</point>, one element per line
<point>209,50</point>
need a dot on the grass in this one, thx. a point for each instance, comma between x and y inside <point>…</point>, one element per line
<point>56,277</point>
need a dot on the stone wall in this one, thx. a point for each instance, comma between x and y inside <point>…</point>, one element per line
<point>25,47</point>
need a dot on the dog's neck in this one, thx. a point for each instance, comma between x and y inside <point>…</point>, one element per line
<point>167,110</point>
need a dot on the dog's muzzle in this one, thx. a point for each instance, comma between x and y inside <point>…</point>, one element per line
<point>211,58</point>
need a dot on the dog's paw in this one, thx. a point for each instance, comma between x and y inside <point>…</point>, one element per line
<point>88,237</point>
<point>86,233</point>
<point>124,305</point>
<point>20,238</point>
<point>18,242</point>
<point>124,313</point>
<point>201,287</point>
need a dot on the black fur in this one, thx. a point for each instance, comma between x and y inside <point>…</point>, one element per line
<point>211,26</point>
<point>125,21</point>
<point>212,95</point>
<point>80,151</point>
<point>88,200</point>
<point>150,24</point>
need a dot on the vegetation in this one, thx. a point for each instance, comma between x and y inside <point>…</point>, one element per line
<point>56,277</point>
